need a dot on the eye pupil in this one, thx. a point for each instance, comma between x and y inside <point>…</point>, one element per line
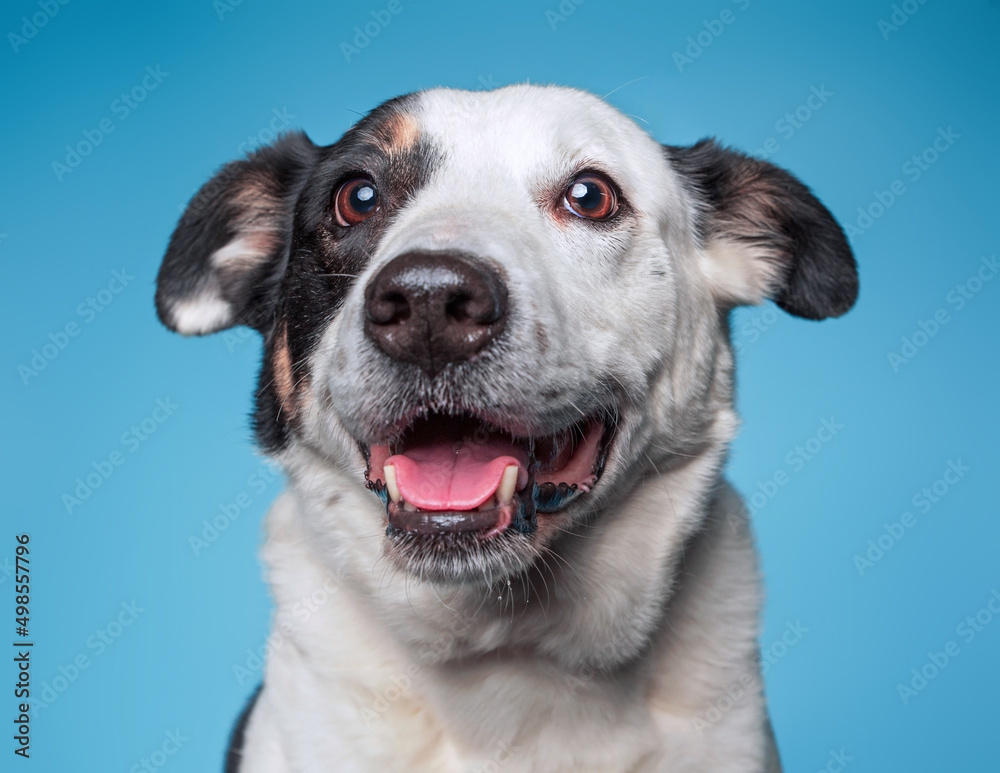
<point>591,196</point>
<point>587,195</point>
<point>363,198</point>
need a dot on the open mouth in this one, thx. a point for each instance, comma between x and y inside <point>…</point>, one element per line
<point>452,474</point>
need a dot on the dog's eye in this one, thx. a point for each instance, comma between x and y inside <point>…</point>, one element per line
<point>356,200</point>
<point>592,196</point>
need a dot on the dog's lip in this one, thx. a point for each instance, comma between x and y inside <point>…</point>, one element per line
<point>487,522</point>
<point>553,482</point>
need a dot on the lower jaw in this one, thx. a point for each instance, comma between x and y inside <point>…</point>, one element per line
<point>426,522</point>
<point>519,515</point>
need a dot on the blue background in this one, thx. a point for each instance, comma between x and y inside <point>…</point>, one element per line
<point>227,70</point>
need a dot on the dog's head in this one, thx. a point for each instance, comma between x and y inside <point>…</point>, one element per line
<point>496,310</point>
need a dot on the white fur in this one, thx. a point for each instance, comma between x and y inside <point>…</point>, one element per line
<point>205,313</point>
<point>739,274</point>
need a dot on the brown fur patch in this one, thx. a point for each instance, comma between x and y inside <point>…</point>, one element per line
<point>397,134</point>
<point>284,378</point>
<point>257,202</point>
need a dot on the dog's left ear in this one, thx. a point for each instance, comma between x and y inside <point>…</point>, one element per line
<point>228,253</point>
<point>765,235</point>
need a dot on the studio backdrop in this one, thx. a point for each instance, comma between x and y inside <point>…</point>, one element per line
<point>868,450</point>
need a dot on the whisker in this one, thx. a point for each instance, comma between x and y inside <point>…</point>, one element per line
<point>634,80</point>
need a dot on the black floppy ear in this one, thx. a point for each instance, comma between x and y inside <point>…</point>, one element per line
<point>229,250</point>
<point>765,234</point>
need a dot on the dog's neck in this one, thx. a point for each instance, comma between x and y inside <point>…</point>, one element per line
<point>607,657</point>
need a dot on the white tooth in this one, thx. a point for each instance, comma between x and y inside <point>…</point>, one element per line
<point>408,507</point>
<point>390,483</point>
<point>505,491</point>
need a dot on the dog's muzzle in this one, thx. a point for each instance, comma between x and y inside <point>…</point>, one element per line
<point>458,471</point>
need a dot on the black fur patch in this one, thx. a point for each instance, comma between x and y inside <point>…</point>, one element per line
<point>234,754</point>
<point>325,257</point>
<point>280,197</point>
<point>763,206</point>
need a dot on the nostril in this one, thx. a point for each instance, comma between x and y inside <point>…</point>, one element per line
<point>457,307</point>
<point>391,308</point>
<point>474,308</point>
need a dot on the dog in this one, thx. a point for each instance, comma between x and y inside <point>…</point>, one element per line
<point>498,375</point>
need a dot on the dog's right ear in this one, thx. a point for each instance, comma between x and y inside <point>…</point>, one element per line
<point>227,255</point>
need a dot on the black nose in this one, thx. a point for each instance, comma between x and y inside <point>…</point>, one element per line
<point>432,308</point>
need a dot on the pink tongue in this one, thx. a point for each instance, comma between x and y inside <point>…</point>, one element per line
<point>456,475</point>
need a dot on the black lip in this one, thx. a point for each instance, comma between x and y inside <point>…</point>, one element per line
<point>429,522</point>
<point>522,514</point>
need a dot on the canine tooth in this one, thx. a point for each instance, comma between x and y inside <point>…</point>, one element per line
<point>390,483</point>
<point>408,507</point>
<point>505,491</point>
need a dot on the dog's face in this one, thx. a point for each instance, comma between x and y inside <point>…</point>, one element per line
<point>496,310</point>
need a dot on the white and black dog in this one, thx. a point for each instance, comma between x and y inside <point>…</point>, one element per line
<point>498,374</point>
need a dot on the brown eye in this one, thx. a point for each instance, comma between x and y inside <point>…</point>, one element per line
<point>356,200</point>
<point>592,196</point>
